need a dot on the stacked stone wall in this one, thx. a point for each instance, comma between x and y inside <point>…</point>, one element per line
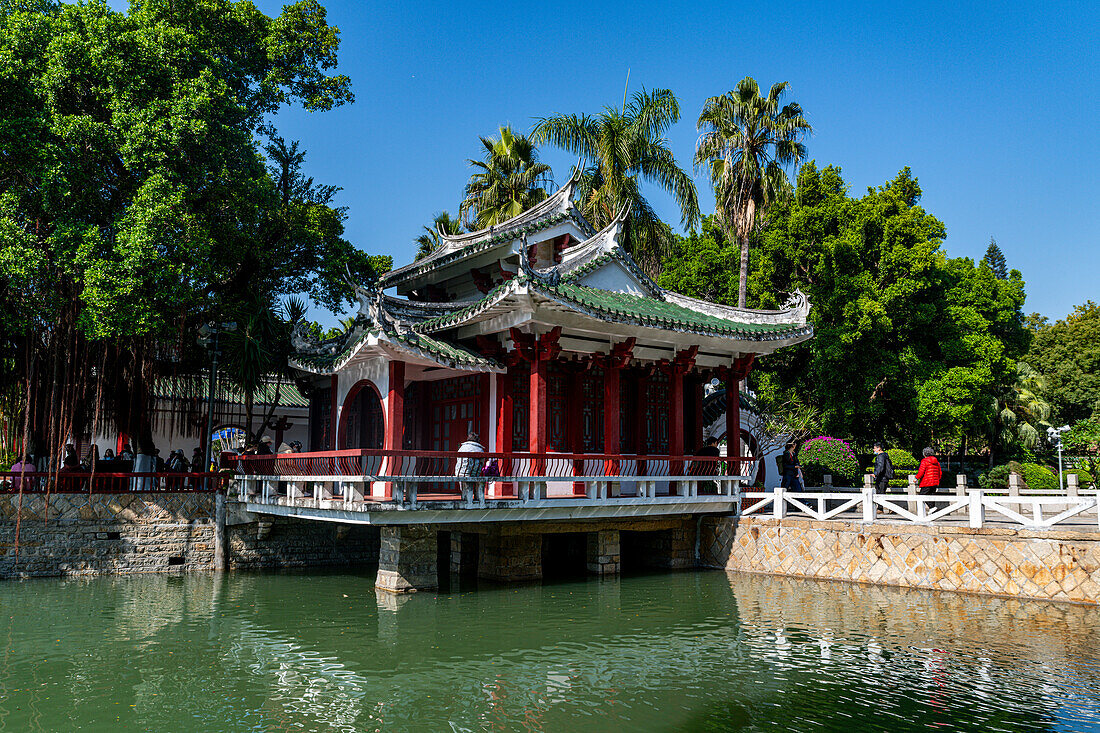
<point>296,543</point>
<point>102,534</point>
<point>1053,565</point>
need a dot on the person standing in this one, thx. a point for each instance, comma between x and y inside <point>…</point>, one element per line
<point>708,467</point>
<point>884,468</point>
<point>22,467</point>
<point>792,470</point>
<point>929,474</point>
<point>469,466</point>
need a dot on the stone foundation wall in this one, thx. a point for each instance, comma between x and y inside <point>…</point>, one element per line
<point>297,543</point>
<point>102,534</point>
<point>1049,565</point>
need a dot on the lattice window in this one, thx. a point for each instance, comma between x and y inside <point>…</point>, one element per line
<point>592,409</point>
<point>557,388</point>
<point>656,414</point>
<point>628,411</point>
<point>521,414</point>
<point>320,419</point>
<point>455,405</point>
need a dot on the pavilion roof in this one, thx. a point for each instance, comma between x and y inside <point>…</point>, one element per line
<point>186,387</point>
<point>420,345</point>
<point>675,313</point>
<point>454,247</point>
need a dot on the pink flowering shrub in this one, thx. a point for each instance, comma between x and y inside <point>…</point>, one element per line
<point>824,455</point>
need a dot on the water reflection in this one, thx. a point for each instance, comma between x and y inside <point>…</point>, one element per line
<point>689,651</point>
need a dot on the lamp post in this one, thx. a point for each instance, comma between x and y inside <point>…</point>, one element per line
<point>1055,435</point>
<point>208,337</point>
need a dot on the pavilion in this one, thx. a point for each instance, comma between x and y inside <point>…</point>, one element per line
<point>541,335</point>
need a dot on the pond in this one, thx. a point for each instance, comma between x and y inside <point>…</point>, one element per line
<point>693,651</point>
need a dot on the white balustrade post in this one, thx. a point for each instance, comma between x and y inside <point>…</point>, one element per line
<point>960,484</point>
<point>1073,485</point>
<point>977,508</point>
<point>779,505</point>
<point>827,479</point>
<point>1013,484</point>
<point>870,511</point>
<point>914,506</point>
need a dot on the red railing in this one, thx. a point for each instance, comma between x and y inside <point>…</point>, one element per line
<point>397,464</point>
<point>108,483</point>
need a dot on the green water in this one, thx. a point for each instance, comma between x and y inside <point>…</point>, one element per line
<point>698,651</point>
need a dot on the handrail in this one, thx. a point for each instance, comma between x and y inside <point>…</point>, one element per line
<point>109,482</point>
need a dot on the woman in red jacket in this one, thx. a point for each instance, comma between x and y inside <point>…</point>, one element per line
<point>928,475</point>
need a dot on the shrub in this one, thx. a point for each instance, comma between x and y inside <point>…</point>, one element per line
<point>995,478</point>
<point>903,459</point>
<point>1038,477</point>
<point>824,455</point>
<point>1084,478</point>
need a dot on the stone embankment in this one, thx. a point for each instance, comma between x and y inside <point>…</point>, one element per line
<point>1048,564</point>
<point>98,534</point>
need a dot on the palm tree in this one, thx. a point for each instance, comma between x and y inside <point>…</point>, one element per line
<point>258,350</point>
<point>623,148</point>
<point>748,141</point>
<point>508,181</point>
<point>429,240</point>
<point>1021,414</point>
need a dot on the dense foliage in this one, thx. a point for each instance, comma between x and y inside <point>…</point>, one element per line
<point>136,201</point>
<point>910,345</point>
<point>1067,354</point>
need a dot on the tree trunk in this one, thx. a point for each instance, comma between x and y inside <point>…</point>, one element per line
<point>743,283</point>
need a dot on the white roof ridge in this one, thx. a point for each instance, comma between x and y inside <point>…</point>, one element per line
<point>561,199</point>
<point>795,311</point>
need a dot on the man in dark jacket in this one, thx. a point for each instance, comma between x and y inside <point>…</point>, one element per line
<point>884,468</point>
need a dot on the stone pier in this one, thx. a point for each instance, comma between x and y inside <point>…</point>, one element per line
<point>603,552</point>
<point>407,560</point>
<point>508,556</point>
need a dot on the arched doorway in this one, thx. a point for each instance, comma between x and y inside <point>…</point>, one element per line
<point>361,421</point>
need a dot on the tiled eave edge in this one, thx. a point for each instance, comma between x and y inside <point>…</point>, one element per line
<point>497,294</point>
<point>441,258</point>
<point>797,333</point>
<point>409,344</point>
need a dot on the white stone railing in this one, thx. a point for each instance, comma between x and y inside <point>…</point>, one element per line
<point>976,507</point>
<point>478,492</point>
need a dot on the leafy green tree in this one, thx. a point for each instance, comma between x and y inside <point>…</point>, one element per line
<point>747,144</point>
<point>995,259</point>
<point>910,346</point>
<point>1083,440</point>
<point>698,265</point>
<point>1067,354</point>
<point>135,201</point>
<point>624,148</point>
<point>429,240</point>
<point>509,180</point>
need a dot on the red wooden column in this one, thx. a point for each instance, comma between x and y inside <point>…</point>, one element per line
<point>539,352</point>
<point>614,364</point>
<point>677,369</point>
<point>334,414</point>
<point>734,375</point>
<point>505,415</point>
<point>394,438</point>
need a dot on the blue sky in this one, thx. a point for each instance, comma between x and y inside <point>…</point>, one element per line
<point>993,105</point>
